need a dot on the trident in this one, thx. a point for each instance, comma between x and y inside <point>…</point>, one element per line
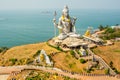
<point>55,24</point>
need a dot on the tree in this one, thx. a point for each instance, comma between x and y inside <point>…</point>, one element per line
<point>111,64</point>
<point>117,24</point>
<point>82,61</point>
<point>101,27</point>
<point>109,30</point>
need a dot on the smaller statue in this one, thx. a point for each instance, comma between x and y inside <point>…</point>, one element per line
<point>43,58</point>
<point>66,24</point>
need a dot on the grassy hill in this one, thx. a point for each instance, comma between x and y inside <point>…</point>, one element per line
<point>21,55</point>
<point>110,53</point>
<point>110,33</point>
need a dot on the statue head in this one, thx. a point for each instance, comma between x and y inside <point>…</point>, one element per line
<point>65,11</point>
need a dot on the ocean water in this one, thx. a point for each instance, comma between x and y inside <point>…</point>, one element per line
<point>25,27</point>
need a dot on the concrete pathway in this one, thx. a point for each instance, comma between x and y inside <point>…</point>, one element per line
<point>4,77</point>
<point>102,62</point>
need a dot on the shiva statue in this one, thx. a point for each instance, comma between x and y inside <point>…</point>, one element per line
<point>66,24</point>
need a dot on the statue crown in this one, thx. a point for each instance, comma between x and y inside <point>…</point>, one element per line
<point>66,9</point>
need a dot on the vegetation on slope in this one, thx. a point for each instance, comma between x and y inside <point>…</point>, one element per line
<point>22,55</point>
<point>109,33</point>
<point>110,53</point>
<point>3,49</point>
<point>38,75</point>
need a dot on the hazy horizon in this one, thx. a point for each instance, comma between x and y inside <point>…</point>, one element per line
<point>58,4</point>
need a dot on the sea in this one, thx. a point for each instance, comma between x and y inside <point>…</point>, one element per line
<point>20,27</point>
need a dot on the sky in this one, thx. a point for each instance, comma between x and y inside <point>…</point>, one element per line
<point>51,4</point>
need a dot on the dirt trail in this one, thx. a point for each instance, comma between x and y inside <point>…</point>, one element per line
<point>5,71</point>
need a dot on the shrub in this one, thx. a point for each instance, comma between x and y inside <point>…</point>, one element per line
<point>28,61</point>
<point>22,61</point>
<point>109,30</point>
<point>56,47</point>
<point>3,49</point>
<point>116,71</point>
<point>66,78</point>
<point>13,60</point>
<point>110,33</point>
<point>101,27</point>
<point>70,65</point>
<point>56,74</point>
<point>47,75</point>
<point>79,53</point>
<point>88,71</point>
<point>107,71</point>
<point>86,52</point>
<point>82,61</point>
<point>72,53</point>
<point>37,53</point>
<point>111,64</point>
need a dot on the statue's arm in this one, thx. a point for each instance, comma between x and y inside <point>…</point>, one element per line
<point>74,20</point>
<point>60,23</point>
<point>54,22</point>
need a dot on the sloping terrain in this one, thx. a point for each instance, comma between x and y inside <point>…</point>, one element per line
<point>110,53</point>
<point>21,55</point>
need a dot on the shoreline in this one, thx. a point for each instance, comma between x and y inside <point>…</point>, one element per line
<point>23,44</point>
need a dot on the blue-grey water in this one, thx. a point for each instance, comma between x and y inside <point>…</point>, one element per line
<point>24,27</point>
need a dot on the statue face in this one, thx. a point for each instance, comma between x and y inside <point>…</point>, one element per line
<point>66,13</point>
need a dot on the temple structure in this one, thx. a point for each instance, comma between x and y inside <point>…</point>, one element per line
<point>68,38</point>
<point>82,51</point>
<point>92,37</point>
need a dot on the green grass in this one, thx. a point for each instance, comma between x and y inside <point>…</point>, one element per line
<point>107,71</point>
<point>82,61</point>
<point>96,51</point>
<point>71,65</point>
<point>72,53</point>
<point>13,60</point>
<point>39,75</point>
<point>56,47</point>
<point>116,50</point>
<point>37,53</point>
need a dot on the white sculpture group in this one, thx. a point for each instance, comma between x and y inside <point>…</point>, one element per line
<point>42,57</point>
<point>66,24</point>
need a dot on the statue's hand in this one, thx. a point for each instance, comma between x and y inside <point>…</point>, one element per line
<point>54,20</point>
<point>75,18</point>
<point>59,27</point>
